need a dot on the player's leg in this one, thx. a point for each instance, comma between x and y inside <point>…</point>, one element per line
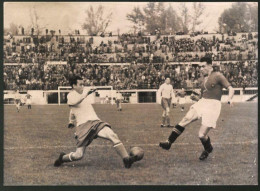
<point>182,107</point>
<point>117,104</point>
<point>209,120</point>
<point>73,156</point>
<point>163,104</point>
<point>205,140</point>
<point>179,128</point>
<point>163,118</point>
<point>182,101</point>
<point>120,105</point>
<point>18,106</point>
<point>167,112</point>
<point>109,134</point>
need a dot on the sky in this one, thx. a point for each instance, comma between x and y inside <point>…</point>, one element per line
<point>69,16</point>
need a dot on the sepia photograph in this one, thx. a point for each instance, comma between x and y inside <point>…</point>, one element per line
<point>130,93</point>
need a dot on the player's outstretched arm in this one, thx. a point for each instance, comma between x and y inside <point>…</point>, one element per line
<point>91,91</point>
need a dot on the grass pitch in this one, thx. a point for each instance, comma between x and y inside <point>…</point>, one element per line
<point>34,138</point>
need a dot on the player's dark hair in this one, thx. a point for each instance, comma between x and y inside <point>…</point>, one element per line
<point>73,80</point>
<point>206,59</point>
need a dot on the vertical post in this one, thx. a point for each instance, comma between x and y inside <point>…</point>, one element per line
<point>59,95</point>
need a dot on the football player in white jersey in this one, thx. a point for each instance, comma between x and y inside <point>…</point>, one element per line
<point>17,100</point>
<point>28,101</point>
<point>119,99</point>
<point>166,93</point>
<point>89,126</point>
<point>182,100</point>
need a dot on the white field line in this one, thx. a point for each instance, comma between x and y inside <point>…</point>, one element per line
<point>254,142</point>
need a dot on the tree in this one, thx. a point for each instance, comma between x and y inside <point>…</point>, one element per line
<point>137,18</point>
<point>35,22</point>
<point>155,17</point>
<point>151,17</point>
<point>96,22</point>
<point>173,21</point>
<point>198,10</point>
<point>241,17</point>
<point>185,18</point>
<point>252,17</point>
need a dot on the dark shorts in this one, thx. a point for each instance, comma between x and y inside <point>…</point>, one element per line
<point>86,132</point>
<point>166,102</point>
<point>118,101</point>
<point>17,101</point>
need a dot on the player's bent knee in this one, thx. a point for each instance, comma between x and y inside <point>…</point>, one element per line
<point>202,135</point>
<point>187,119</point>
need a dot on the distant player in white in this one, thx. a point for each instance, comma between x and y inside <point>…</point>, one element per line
<point>208,108</point>
<point>166,93</point>
<point>182,99</point>
<point>106,100</point>
<point>17,100</point>
<point>28,101</point>
<point>174,99</point>
<point>119,99</point>
<point>88,125</point>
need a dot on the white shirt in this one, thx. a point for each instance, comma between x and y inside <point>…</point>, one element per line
<point>17,96</point>
<point>83,111</point>
<point>118,96</point>
<point>166,90</point>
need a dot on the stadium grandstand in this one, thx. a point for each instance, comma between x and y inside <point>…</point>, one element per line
<point>126,61</point>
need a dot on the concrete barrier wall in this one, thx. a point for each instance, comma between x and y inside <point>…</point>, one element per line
<point>40,97</point>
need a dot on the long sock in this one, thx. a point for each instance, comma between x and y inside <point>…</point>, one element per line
<point>168,120</point>
<point>121,151</point>
<point>163,120</point>
<point>176,132</point>
<point>67,157</point>
<point>206,144</point>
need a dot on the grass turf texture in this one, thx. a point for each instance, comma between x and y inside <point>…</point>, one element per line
<point>34,138</point>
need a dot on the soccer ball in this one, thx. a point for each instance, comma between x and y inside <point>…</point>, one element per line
<point>138,152</point>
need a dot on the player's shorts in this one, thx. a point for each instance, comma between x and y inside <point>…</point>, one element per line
<point>166,102</point>
<point>28,101</point>
<point>208,110</point>
<point>86,132</point>
<point>182,100</point>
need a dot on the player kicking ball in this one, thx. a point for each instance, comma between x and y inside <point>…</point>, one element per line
<point>166,93</point>
<point>182,100</point>
<point>208,108</point>
<point>89,126</point>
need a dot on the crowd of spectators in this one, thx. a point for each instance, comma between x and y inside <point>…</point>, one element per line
<point>132,76</point>
<point>150,60</point>
<point>128,48</point>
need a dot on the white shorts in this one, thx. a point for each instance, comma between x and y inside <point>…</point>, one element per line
<point>182,100</point>
<point>208,110</point>
<point>28,101</point>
